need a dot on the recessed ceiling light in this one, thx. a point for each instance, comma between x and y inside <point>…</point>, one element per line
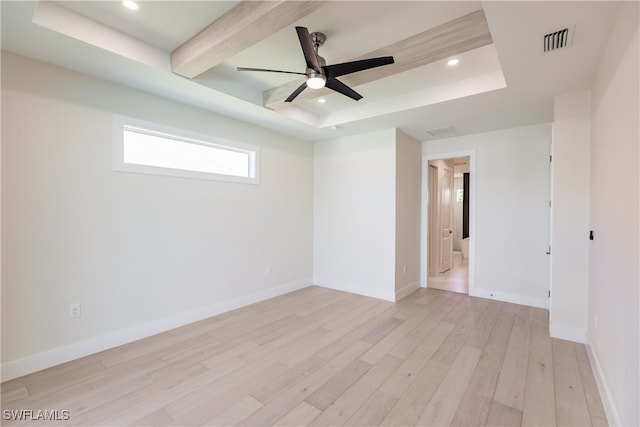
<point>322,100</point>
<point>334,127</point>
<point>452,62</point>
<point>130,4</point>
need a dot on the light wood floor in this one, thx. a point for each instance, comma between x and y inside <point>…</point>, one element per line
<point>456,279</point>
<point>323,357</point>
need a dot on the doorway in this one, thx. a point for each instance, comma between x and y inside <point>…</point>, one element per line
<point>447,220</point>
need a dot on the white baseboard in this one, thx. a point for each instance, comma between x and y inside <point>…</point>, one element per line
<point>356,289</point>
<point>607,401</point>
<point>568,333</point>
<point>512,298</point>
<point>407,290</point>
<point>56,356</point>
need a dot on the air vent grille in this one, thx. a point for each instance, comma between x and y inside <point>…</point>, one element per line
<point>557,39</point>
<point>447,130</point>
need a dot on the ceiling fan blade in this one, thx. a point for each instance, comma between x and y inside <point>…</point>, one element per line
<point>342,88</point>
<point>338,70</point>
<point>307,48</point>
<point>268,71</point>
<point>296,92</point>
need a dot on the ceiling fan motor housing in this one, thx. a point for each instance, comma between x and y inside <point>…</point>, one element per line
<point>318,40</point>
<point>319,74</point>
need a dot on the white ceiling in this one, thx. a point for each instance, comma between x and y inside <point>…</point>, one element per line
<point>508,83</point>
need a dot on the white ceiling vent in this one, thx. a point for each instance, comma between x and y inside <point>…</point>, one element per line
<point>443,131</point>
<point>558,39</point>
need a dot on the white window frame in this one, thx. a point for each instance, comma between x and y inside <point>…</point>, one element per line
<point>120,123</point>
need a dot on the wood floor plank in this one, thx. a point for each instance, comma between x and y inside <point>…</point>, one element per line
<point>332,389</point>
<point>483,327</point>
<point>511,384</point>
<point>594,402</point>
<point>443,405</point>
<point>324,357</point>
<point>476,402</point>
<point>196,409</point>
<point>438,309</point>
<point>288,400</point>
<point>449,350</point>
<point>356,310</point>
<point>399,334</point>
<point>301,415</point>
<point>424,296</point>
<point>363,327</point>
<point>382,330</point>
<point>571,404</point>
<point>266,391</point>
<point>50,381</point>
<point>232,353</point>
<point>413,402</point>
<point>10,396</point>
<point>408,371</point>
<point>348,403</point>
<point>501,415</point>
<point>154,419</point>
<point>143,401</point>
<point>236,413</point>
<point>300,331</point>
<point>100,387</point>
<point>373,411</point>
<point>388,342</point>
<point>539,395</point>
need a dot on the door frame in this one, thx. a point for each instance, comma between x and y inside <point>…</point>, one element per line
<point>424,215</point>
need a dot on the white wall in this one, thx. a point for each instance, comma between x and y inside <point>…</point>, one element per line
<point>511,213</point>
<point>408,190</point>
<point>141,253</point>
<point>570,221</point>
<point>354,214</point>
<point>367,214</point>
<point>614,276</point>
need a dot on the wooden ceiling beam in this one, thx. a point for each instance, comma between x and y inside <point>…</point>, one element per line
<point>244,25</point>
<point>452,38</point>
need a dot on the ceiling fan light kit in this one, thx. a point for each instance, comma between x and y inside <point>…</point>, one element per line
<point>316,81</point>
<point>318,73</point>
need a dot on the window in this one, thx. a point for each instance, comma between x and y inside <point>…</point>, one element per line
<point>143,147</point>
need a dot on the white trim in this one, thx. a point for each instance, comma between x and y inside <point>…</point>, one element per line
<point>407,290</point>
<point>605,394</point>
<point>56,356</point>
<point>424,214</point>
<point>508,297</point>
<point>568,333</point>
<point>119,165</point>
<point>355,289</point>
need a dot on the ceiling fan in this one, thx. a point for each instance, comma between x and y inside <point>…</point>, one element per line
<point>318,73</point>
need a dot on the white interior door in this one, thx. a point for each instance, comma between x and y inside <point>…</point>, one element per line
<point>434,224</point>
<point>446,217</point>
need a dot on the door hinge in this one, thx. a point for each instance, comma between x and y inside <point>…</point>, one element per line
<point>549,294</point>
<point>549,251</point>
<point>550,159</point>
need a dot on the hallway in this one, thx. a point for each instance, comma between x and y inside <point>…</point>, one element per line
<point>456,279</point>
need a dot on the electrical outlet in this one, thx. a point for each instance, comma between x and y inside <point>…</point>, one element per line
<point>267,270</point>
<point>595,322</point>
<point>404,269</point>
<point>74,311</point>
